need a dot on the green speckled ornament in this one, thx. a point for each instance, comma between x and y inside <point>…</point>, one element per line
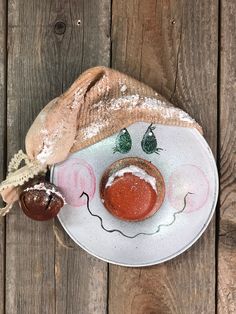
<point>123,142</point>
<point>149,141</point>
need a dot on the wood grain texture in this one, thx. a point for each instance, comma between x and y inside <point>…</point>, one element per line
<point>227,237</point>
<point>172,46</point>
<point>48,49</point>
<point>81,280</point>
<point>2,140</point>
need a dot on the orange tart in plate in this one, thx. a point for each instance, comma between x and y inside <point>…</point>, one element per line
<point>132,189</point>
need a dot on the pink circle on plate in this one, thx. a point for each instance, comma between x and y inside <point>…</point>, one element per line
<point>188,179</point>
<point>73,177</point>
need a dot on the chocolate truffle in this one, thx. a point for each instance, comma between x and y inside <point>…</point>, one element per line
<point>41,200</point>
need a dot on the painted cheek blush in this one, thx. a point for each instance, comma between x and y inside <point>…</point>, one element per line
<point>74,177</point>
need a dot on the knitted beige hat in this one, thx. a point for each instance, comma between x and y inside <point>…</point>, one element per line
<point>98,104</point>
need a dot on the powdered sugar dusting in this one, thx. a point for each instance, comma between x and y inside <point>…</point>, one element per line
<point>47,148</point>
<point>49,141</point>
<point>98,105</point>
<point>103,86</point>
<point>123,88</point>
<point>77,99</point>
<point>184,116</point>
<point>131,102</point>
<point>153,103</point>
<point>44,132</point>
<point>41,187</point>
<point>165,111</point>
<point>45,153</point>
<point>93,129</point>
<point>128,102</point>
<point>136,171</point>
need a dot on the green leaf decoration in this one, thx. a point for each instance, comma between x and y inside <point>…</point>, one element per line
<point>149,141</point>
<point>123,142</point>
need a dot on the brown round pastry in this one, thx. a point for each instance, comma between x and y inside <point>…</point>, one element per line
<point>132,189</point>
<point>41,200</point>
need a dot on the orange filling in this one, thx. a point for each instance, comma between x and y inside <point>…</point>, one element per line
<point>131,198</point>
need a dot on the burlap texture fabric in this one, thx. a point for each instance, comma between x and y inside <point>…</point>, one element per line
<point>98,104</point>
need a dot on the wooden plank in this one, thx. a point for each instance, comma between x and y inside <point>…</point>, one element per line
<point>47,51</point>
<point>81,280</point>
<point>172,46</point>
<point>2,139</point>
<point>227,239</point>
<point>32,51</point>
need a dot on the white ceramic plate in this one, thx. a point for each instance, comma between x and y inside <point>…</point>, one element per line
<point>190,174</point>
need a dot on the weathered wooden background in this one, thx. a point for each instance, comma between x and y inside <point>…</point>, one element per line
<point>186,50</point>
